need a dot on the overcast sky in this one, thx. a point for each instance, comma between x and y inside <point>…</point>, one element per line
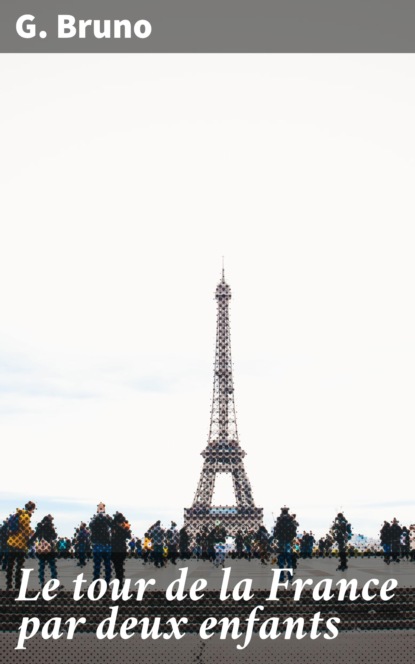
<point>124,180</point>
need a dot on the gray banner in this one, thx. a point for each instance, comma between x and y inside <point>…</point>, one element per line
<point>208,26</point>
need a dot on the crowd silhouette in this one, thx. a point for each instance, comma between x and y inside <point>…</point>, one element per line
<point>108,541</point>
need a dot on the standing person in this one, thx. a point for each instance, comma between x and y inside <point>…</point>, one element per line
<point>147,548</point>
<point>45,537</point>
<point>100,528</point>
<point>204,537</point>
<point>157,535</point>
<point>406,543</point>
<point>82,544</point>
<point>184,541</point>
<point>328,544</point>
<point>248,544</point>
<point>172,541</point>
<point>304,544</point>
<point>239,543</point>
<point>69,548</point>
<point>285,530</point>
<point>412,542</point>
<point>262,544</point>
<point>220,554</point>
<point>385,540</point>
<point>216,536</point>
<point>20,532</point>
<point>4,534</point>
<point>138,548</point>
<point>395,535</point>
<point>311,542</point>
<point>120,533</point>
<point>342,533</point>
<point>211,553</point>
<point>197,551</point>
<point>132,548</point>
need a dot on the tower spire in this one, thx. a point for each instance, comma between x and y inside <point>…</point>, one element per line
<point>223,453</point>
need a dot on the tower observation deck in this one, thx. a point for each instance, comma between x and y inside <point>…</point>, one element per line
<point>223,453</point>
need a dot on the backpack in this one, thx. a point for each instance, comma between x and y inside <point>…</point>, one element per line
<point>43,547</point>
<point>83,536</point>
<point>61,546</point>
<point>13,523</point>
<point>285,528</point>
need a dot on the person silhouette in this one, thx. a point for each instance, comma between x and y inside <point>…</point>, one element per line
<point>19,534</point>
<point>342,533</point>
<point>100,529</point>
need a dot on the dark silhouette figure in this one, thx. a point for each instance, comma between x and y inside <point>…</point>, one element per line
<point>120,533</point>
<point>395,536</point>
<point>19,534</point>
<point>385,540</point>
<point>100,528</point>
<point>45,537</point>
<point>285,531</point>
<point>342,533</point>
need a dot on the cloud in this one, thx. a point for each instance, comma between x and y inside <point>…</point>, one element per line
<point>24,379</point>
<point>27,383</point>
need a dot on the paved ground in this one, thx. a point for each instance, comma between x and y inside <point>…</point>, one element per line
<point>317,569</point>
<point>372,647</point>
<point>348,648</point>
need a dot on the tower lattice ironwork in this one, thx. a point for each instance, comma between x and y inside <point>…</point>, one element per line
<point>223,453</point>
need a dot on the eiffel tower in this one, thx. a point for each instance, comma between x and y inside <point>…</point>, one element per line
<point>223,453</point>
